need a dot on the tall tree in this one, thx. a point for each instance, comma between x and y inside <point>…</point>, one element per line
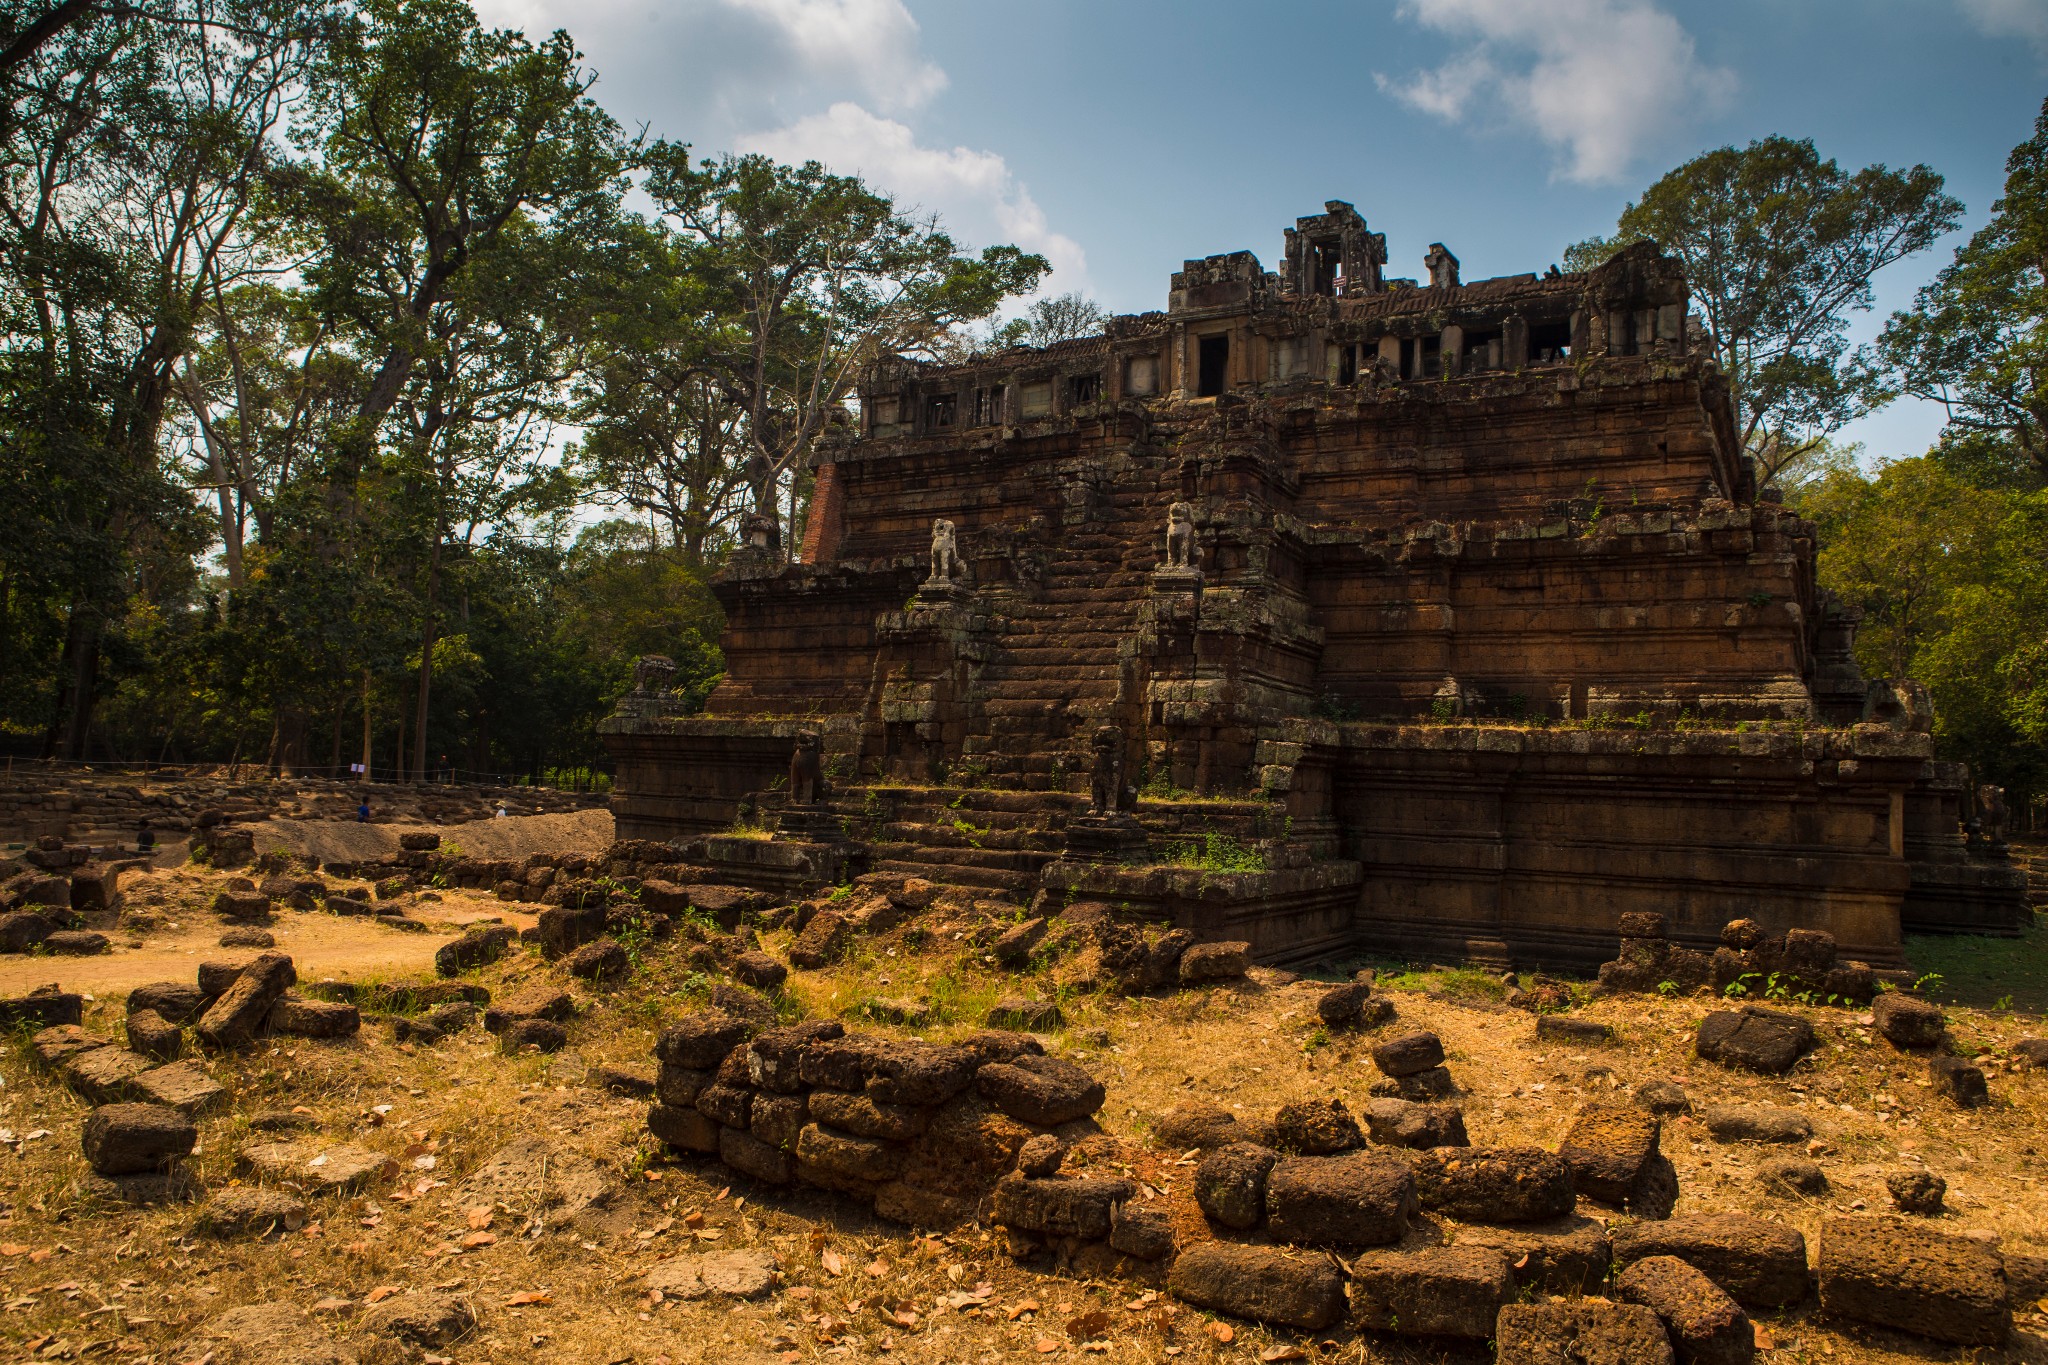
<point>455,161</point>
<point>136,147</point>
<point>1976,339</point>
<point>1049,321</point>
<point>1947,575</point>
<point>823,274</point>
<point>437,137</point>
<point>663,425</point>
<point>1780,247</point>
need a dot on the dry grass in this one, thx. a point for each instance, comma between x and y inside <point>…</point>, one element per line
<point>133,1284</point>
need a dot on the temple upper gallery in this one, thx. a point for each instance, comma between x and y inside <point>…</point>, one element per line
<point>1455,602</point>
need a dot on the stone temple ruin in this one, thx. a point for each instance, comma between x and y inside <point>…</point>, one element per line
<point>1440,618</point>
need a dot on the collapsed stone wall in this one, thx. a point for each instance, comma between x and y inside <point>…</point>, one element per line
<point>918,1131</point>
<point>97,809</point>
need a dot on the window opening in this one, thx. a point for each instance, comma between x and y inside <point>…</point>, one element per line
<point>1550,341</point>
<point>941,410</point>
<point>1213,367</point>
<point>1482,351</point>
<point>988,406</point>
<point>1327,264</point>
<point>1084,388</point>
<point>1347,365</point>
<point>1432,356</point>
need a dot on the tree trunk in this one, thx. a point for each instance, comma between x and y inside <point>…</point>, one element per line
<point>368,734</point>
<point>85,659</point>
<point>419,741</point>
<point>428,635</point>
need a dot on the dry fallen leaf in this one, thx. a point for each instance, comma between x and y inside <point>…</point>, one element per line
<point>1046,1345</point>
<point>480,1217</point>
<point>1089,1325</point>
<point>1764,1340</point>
<point>474,1240</point>
<point>833,1263</point>
<point>526,1297</point>
<point>1223,1332</point>
<point>1028,1306</point>
<point>382,1292</point>
<point>876,1267</point>
<point>1283,1353</point>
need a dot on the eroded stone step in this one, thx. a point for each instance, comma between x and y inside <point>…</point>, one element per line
<point>1016,883</point>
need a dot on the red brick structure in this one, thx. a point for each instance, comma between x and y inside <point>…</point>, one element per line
<point>1456,602</point>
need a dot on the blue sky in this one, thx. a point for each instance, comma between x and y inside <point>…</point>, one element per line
<point>1120,136</point>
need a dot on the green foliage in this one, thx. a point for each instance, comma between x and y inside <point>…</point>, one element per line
<point>1976,339</point>
<point>1946,574</point>
<point>316,286</point>
<point>1214,852</point>
<point>1779,247</point>
<point>1049,321</point>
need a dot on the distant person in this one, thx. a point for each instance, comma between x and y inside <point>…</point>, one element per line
<point>363,812</point>
<point>145,837</point>
<point>502,813</point>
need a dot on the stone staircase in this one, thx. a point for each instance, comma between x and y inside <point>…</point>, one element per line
<point>999,840</point>
<point>1056,674</point>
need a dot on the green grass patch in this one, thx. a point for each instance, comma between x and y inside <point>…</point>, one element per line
<point>1987,973</point>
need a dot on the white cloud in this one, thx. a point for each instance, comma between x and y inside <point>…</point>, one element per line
<point>2026,19</point>
<point>1601,81</point>
<point>976,195</point>
<point>700,67</point>
<point>878,39</point>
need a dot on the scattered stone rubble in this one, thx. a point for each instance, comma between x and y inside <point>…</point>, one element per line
<point>146,1094</point>
<point>920,1132</point>
<point>1798,963</point>
<point>55,897</point>
<point>80,808</point>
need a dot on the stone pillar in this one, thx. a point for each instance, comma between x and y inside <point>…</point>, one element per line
<point>1671,322</point>
<point>1451,349</point>
<point>1514,343</point>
